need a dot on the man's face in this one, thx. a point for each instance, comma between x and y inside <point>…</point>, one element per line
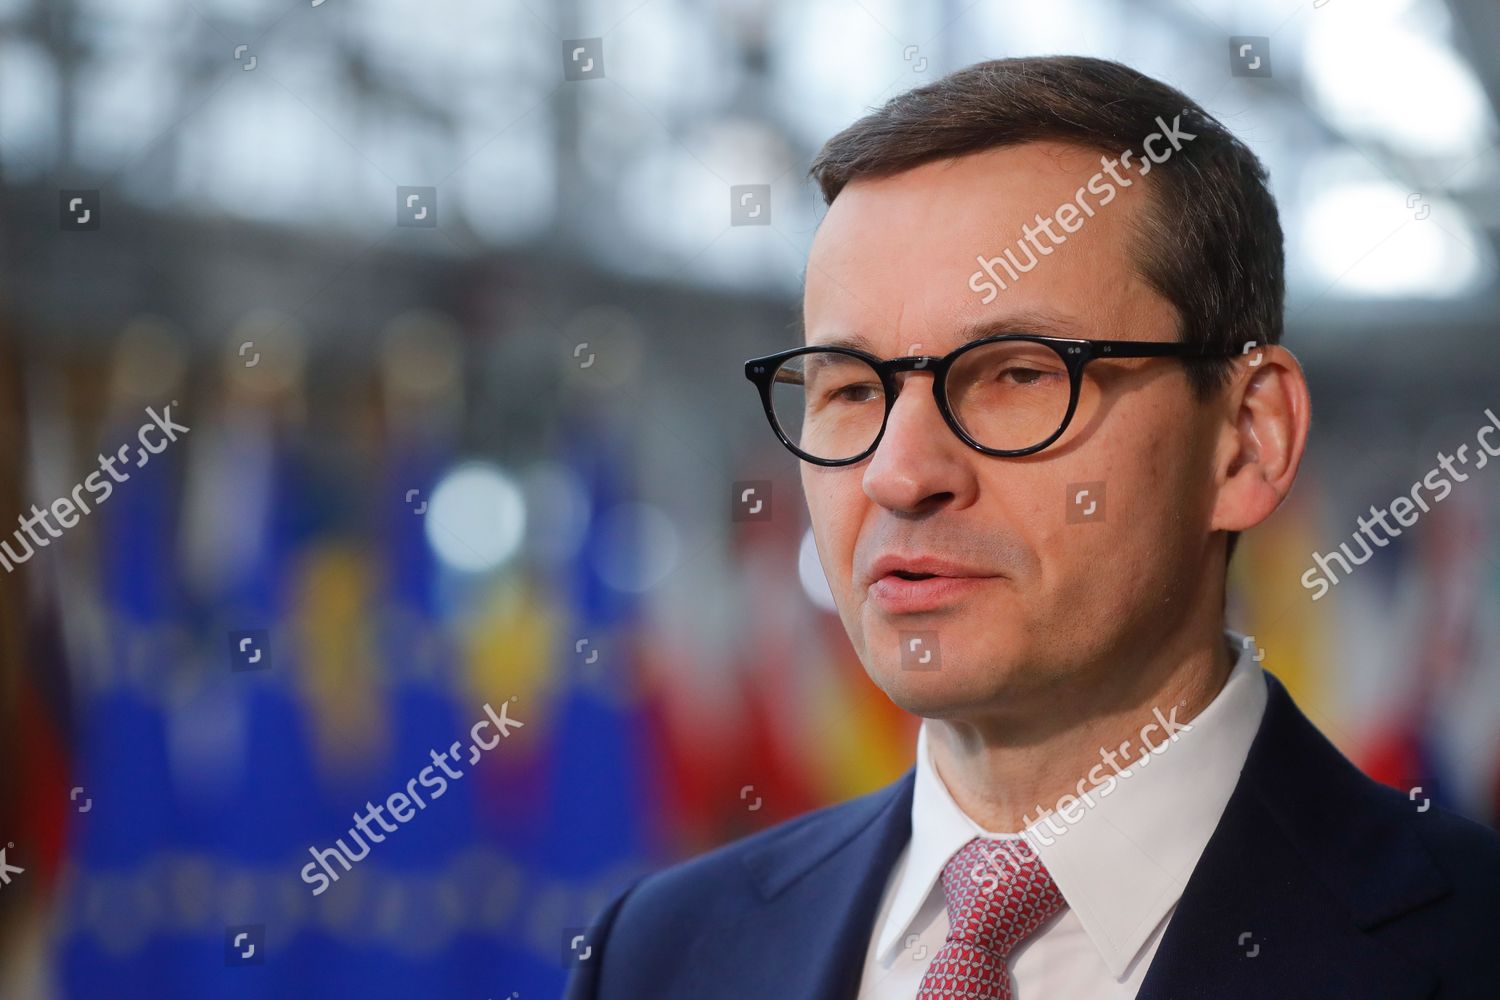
<point>1058,599</point>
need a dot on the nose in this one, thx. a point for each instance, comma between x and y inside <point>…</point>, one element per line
<point>920,465</point>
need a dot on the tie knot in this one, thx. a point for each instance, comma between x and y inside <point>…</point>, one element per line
<point>999,893</point>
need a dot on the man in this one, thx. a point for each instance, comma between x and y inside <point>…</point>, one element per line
<point>1025,520</point>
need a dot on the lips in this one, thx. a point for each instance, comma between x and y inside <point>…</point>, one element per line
<point>912,584</point>
<point>921,567</point>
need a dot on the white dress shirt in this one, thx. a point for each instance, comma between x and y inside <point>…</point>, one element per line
<point>1121,865</point>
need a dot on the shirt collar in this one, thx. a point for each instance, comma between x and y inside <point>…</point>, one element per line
<point>1122,863</point>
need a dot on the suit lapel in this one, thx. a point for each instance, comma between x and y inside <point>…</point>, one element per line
<point>820,884</point>
<point>1299,866</point>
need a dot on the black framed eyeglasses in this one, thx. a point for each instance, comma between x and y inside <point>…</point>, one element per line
<point>1006,395</point>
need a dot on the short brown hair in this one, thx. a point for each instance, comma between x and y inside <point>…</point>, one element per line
<point>1211,244</point>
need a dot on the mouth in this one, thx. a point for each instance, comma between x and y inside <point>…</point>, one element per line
<point>903,591</point>
<point>916,566</point>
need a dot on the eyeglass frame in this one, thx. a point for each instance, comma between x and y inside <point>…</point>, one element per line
<point>1075,354</point>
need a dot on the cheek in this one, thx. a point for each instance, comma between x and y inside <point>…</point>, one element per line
<point>1150,495</point>
<point>833,511</point>
<point>1097,518</point>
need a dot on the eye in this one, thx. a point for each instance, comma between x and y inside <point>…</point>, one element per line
<point>860,393</point>
<point>1022,376</point>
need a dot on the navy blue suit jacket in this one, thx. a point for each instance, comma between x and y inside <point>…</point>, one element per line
<point>1346,888</point>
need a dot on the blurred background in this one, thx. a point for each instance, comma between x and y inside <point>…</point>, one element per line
<point>453,299</point>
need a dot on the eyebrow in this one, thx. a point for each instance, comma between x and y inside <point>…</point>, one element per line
<point>1031,321</point>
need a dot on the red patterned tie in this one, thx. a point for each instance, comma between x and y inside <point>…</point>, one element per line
<point>999,893</point>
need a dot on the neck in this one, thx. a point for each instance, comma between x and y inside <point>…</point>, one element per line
<point>1006,776</point>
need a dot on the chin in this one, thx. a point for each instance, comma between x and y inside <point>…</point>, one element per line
<point>956,688</point>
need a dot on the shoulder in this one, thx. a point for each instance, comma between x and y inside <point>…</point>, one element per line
<point>1314,777</point>
<point>649,937</point>
<point>1466,852</point>
<point>742,871</point>
<point>1449,874</point>
<point>1399,860</point>
<point>1389,851</point>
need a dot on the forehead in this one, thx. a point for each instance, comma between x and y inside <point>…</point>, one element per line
<point>891,263</point>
